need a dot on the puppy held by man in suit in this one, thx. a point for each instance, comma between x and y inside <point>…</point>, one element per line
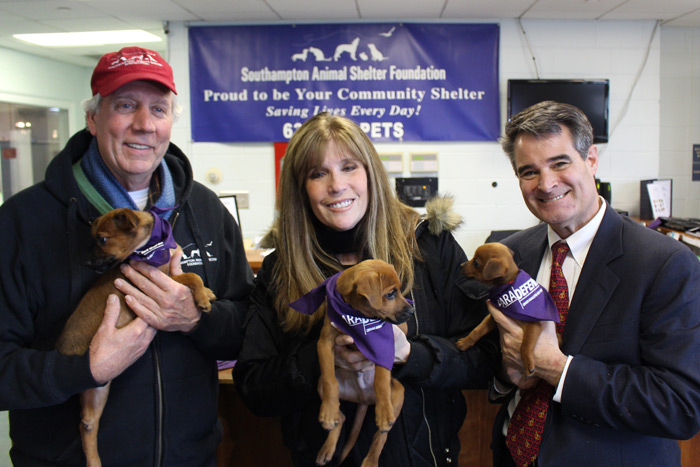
<point>514,292</point>
<point>120,235</point>
<point>362,301</point>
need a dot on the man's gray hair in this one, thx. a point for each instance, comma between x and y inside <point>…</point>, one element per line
<point>92,105</point>
<point>547,118</point>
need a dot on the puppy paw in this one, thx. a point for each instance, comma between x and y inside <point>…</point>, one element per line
<point>203,299</point>
<point>330,416</point>
<point>203,296</point>
<point>465,342</point>
<point>325,454</point>
<point>529,364</point>
<point>385,419</point>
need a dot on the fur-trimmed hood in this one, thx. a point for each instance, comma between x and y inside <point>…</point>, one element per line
<point>441,216</point>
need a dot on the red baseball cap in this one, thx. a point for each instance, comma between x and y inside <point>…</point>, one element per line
<point>115,69</point>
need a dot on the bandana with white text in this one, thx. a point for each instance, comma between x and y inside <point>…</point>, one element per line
<point>156,251</point>
<point>524,299</point>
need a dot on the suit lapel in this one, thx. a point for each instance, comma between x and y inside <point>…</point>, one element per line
<point>528,255</point>
<point>596,283</point>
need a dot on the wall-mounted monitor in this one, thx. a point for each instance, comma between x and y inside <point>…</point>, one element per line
<point>591,96</point>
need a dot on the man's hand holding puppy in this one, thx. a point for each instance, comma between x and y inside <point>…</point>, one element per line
<point>163,303</point>
<point>549,360</point>
<point>114,350</point>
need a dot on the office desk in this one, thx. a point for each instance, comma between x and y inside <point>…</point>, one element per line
<point>691,241</point>
<point>248,441</point>
<point>255,258</point>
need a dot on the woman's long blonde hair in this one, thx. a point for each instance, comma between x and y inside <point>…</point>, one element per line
<point>386,231</point>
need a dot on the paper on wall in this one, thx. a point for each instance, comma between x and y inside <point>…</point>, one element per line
<point>660,198</point>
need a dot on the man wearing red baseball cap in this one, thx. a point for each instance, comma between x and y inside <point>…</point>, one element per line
<point>129,64</point>
<point>162,403</point>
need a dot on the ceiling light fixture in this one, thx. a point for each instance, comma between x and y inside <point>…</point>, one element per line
<point>78,39</point>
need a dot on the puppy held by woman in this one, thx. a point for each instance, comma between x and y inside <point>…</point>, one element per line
<point>337,208</point>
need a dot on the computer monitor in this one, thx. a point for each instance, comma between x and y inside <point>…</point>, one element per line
<point>591,96</point>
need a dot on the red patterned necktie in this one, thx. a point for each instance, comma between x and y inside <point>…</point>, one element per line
<point>527,424</point>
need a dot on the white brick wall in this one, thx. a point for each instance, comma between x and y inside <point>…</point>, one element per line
<point>680,115</point>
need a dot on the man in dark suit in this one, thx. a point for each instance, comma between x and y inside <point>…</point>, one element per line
<point>625,382</point>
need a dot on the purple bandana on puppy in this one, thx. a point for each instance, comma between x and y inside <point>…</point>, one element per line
<point>373,337</point>
<point>524,299</point>
<point>156,251</point>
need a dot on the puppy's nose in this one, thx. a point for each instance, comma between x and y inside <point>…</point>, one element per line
<point>404,314</point>
<point>101,265</point>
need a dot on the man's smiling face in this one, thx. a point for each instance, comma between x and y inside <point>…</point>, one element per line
<point>557,185</point>
<point>133,126</point>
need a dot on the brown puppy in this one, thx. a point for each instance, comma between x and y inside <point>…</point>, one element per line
<point>372,288</point>
<point>493,265</point>
<point>118,234</point>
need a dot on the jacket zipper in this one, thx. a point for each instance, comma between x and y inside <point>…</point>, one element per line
<point>160,420</point>
<point>159,384</point>
<point>422,394</point>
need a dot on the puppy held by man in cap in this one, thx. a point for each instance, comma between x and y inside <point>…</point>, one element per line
<point>120,235</point>
<point>363,301</point>
<point>513,292</point>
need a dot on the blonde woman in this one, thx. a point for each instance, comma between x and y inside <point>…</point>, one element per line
<point>336,208</point>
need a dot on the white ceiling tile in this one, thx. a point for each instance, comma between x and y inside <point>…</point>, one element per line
<point>461,9</point>
<point>29,16</point>
<point>400,9</point>
<point>51,9</point>
<point>315,10</point>
<point>653,9</point>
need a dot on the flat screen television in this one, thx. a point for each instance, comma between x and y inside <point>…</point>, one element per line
<point>591,96</point>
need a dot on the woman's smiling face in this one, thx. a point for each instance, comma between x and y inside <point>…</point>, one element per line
<point>337,189</point>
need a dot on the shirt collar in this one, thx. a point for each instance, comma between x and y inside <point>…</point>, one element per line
<point>580,241</point>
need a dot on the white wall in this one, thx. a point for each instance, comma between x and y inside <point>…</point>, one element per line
<point>563,49</point>
<point>680,118</point>
<point>30,79</point>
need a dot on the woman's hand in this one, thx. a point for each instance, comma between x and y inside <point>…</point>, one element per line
<point>354,372</point>
<point>402,348</point>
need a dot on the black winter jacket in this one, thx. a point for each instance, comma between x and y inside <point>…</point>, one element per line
<point>163,409</point>
<point>277,372</point>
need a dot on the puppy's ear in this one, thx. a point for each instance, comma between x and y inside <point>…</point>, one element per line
<point>125,220</point>
<point>369,286</point>
<point>494,269</point>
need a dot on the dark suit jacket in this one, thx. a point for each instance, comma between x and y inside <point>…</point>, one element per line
<point>633,329</point>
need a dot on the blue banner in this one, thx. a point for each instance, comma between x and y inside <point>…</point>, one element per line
<point>398,81</point>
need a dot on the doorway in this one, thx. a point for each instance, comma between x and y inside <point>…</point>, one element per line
<point>30,136</point>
